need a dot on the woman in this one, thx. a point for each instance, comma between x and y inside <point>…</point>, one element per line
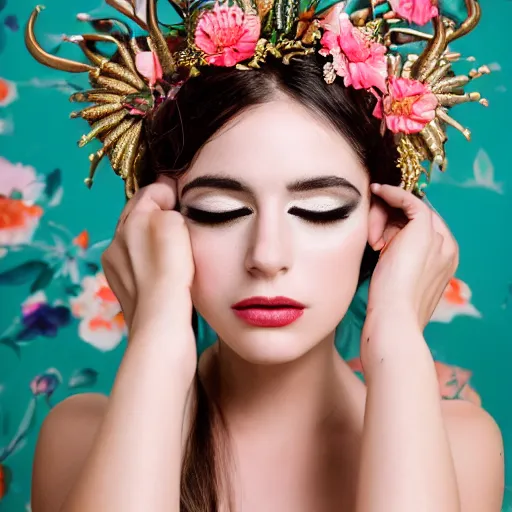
<point>269,196</point>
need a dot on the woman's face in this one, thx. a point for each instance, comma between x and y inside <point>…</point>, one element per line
<point>277,207</point>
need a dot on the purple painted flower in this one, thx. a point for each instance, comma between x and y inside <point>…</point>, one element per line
<point>11,22</point>
<point>43,320</point>
<point>46,383</point>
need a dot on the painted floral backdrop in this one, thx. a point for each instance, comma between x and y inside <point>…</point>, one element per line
<point>61,329</point>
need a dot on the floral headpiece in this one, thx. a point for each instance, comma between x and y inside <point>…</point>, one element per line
<point>397,50</point>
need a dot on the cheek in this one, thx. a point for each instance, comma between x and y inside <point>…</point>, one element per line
<point>216,257</point>
<point>333,262</point>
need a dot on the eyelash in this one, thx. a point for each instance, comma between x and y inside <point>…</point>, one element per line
<point>213,218</point>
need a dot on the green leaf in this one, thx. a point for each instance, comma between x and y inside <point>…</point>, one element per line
<point>74,290</point>
<point>43,279</point>
<point>92,268</point>
<point>23,273</point>
<point>16,194</point>
<point>53,182</point>
<point>10,343</point>
<point>84,378</point>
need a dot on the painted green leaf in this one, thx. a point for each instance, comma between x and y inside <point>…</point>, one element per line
<point>84,378</point>
<point>43,279</point>
<point>24,273</point>
<point>74,290</point>
<point>53,182</point>
<point>92,268</point>
<point>10,343</point>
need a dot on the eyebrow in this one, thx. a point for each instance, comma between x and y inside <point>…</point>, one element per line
<point>322,182</point>
<point>220,182</point>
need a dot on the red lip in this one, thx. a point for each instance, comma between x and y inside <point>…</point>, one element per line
<point>269,302</point>
<point>268,311</point>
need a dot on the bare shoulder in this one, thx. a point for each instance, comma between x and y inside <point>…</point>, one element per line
<point>477,449</point>
<point>64,442</point>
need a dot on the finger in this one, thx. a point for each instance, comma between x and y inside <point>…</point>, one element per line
<point>397,197</point>
<point>160,195</point>
<point>164,192</point>
<point>128,208</point>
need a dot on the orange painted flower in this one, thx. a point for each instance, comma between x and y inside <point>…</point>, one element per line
<point>456,300</point>
<point>18,221</point>
<point>102,321</point>
<point>8,92</point>
<point>82,240</point>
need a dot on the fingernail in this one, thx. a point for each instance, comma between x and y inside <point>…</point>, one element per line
<point>375,187</point>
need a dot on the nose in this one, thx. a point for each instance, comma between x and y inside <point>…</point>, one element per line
<point>270,249</point>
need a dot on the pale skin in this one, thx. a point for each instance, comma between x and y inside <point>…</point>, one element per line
<point>305,433</point>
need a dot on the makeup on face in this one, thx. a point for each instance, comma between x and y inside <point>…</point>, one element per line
<point>268,312</point>
<point>317,200</point>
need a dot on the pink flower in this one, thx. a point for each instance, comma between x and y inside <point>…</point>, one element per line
<point>20,178</point>
<point>359,60</point>
<point>415,11</point>
<point>407,107</point>
<point>149,66</point>
<point>46,383</point>
<point>227,35</point>
<point>454,383</point>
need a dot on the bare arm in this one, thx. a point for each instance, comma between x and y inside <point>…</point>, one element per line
<point>124,456</point>
<point>415,456</point>
<point>420,453</point>
<point>406,459</point>
<point>131,457</point>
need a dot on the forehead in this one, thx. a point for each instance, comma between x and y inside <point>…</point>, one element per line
<point>277,143</point>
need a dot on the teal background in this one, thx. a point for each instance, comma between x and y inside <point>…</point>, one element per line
<point>45,367</point>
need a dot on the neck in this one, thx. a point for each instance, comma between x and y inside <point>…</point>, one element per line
<point>302,394</point>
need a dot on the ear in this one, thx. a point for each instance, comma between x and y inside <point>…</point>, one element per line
<point>377,222</point>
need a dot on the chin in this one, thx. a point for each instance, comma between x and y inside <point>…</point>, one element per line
<point>274,345</point>
<point>268,346</point>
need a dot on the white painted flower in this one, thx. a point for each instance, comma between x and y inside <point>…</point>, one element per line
<point>20,178</point>
<point>102,322</point>
<point>456,301</point>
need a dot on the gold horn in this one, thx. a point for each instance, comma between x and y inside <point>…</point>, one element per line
<point>474,15</point>
<point>161,48</point>
<point>123,51</point>
<point>428,60</point>
<point>124,7</point>
<point>46,58</point>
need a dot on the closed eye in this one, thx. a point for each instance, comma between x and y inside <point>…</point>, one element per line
<point>324,216</point>
<point>212,218</point>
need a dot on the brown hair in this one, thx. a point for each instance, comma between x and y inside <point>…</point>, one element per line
<point>178,131</point>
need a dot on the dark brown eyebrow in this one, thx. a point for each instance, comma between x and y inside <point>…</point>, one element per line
<point>322,182</point>
<point>220,182</point>
<point>214,182</point>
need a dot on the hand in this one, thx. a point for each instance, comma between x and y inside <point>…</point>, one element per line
<point>149,263</point>
<point>418,258</point>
